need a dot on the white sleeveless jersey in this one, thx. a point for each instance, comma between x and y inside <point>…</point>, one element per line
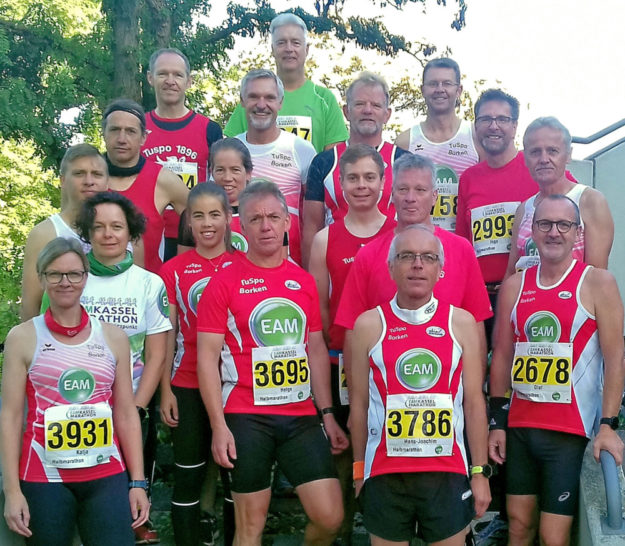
<point>63,230</point>
<point>451,158</point>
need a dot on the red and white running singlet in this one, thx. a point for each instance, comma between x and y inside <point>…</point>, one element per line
<point>558,366</point>
<point>416,419</point>
<point>69,434</point>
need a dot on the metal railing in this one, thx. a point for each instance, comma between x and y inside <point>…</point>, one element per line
<point>613,523</point>
<point>599,134</point>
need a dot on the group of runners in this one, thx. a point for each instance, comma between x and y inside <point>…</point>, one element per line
<point>325,303</point>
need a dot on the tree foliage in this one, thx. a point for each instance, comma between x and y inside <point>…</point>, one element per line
<point>56,55</point>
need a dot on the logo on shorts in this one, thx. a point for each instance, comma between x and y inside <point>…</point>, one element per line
<point>418,369</point>
<point>239,242</point>
<point>565,295</point>
<point>564,496</point>
<point>466,494</point>
<point>435,331</point>
<point>76,385</point>
<point>543,326</point>
<point>195,293</point>
<point>292,285</point>
<point>277,321</point>
<point>163,303</point>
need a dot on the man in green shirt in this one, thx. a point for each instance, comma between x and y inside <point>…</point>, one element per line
<point>308,110</point>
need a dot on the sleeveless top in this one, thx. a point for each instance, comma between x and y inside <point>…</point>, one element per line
<point>67,375</point>
<point>528,253</point>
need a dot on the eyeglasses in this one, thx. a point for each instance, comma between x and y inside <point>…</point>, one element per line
<point>562,225</point>
<point>447,84</point>
<point>500,121</point>
<point>428,258</point>
<point>55,277</point>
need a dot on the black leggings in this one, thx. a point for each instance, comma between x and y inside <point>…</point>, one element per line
<point>100,507</point>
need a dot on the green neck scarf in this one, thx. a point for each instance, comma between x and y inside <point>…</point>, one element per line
<point>100,270</point>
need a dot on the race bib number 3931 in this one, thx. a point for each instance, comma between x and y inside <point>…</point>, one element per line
<point>281,374</point>
<point>541,372</point>
<point>78,436</point>
<point>419,425</point>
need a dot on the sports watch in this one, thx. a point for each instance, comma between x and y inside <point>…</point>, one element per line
<point>612,422</point>
<point>141,484</point>
<point>487,469</point>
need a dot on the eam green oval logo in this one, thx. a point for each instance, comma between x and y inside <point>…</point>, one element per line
<point>239,242</point>
<point>195,293</point>
<point>445,175</point>
<point>163,302</point>
<point>418,369</point>
<point>277,321</point>
<point>543,326</point>
<point>76,385</point>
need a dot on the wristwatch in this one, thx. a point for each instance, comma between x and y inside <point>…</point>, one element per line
<point>612,422</point>
<point>142,484</point>
<point>487,469</point>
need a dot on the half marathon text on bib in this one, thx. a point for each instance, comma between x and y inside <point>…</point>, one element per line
<point>281,374</point>
<point>491,226</point>
<point>300,126</point>
<point>419,425</point>
<point>78,436</point>
<point>541,372</point>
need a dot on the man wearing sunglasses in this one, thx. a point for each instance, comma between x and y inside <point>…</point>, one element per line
<point>559,330</point>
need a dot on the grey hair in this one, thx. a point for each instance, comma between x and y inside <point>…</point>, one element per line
<point>154,57</point>
<point>559,197</point>
<point>55,249</point>
<point>257,74</point>
<point>287,19</point>
<point>368,79</point>
<point>257,189</point>
<point>409,161</point>
<point>551,123</point>
<point>392,251</point>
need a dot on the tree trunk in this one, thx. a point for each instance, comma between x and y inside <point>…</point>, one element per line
<point>124,19</point>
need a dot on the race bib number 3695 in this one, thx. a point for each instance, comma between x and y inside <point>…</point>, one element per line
<point>541,372</point>
<point>78,436</point>
<point>281,374</point>
<point>419,425</point>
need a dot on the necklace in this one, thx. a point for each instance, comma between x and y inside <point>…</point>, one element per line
<point>221,259</point>
<point>70,331</point>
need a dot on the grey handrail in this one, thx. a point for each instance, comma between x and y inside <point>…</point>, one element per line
<point>613,523</point>
<point>599,134</point>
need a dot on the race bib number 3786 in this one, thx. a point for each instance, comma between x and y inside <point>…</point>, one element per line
<point>419,425</point>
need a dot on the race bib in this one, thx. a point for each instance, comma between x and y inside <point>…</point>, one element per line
<point>343,394</point>
<point>186,170</point>
<point>300,126</point>
<point>444,210</point>
<point>419,425</point>
<point>281,374</point>
<point>541,372</point>
<point>78,435</point>
<point>491,226</point>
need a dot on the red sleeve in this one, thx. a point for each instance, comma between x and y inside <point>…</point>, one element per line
<point>353,301</point>
<point>167,274</point>
<point>475,299</point>
<point>463,218</point>
<point>212,310</point>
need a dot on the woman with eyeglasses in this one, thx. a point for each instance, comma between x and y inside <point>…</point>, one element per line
<point>547,149</point>
<point>82,432</point>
